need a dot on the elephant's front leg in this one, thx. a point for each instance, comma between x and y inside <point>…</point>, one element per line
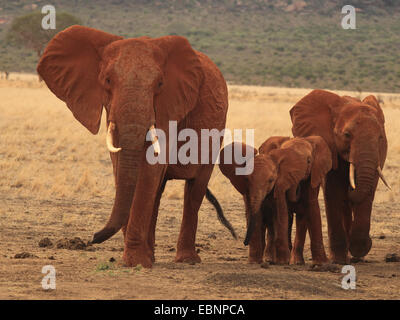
<point>268,225</point>
<point>337,208</point>
<point>281,227</point>
<point>195,189</point>
<point>139,229</point>
<point>257,240</point>
<point>257,244</point>
<point>296,254</point>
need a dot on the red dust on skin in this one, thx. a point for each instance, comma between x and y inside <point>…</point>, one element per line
<point>355,133</point>
<point>141,82</point>
<point>279,169</point>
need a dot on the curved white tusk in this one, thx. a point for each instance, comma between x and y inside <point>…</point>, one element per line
<point>109,138</point>
<point>351,176</point>
<point>383,178</point>
<point>154,140</point>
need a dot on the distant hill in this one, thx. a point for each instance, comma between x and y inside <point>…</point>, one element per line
<point>291,43</point>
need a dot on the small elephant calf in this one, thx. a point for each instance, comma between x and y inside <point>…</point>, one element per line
<point>286,177</point>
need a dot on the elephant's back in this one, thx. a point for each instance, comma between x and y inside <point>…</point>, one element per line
<point>211,70</point>
<point>212,105</point>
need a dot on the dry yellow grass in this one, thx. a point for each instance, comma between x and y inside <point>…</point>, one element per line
<point>56,179</point>
<point>46,152</point>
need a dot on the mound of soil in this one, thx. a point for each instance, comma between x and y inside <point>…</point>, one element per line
<point>72,244</point>
<point>45,243</point>
<point>392,257</point>
<point>325,268</point>
<point>24,255</point>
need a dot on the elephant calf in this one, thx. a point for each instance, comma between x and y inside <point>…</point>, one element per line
<point>286,179</point>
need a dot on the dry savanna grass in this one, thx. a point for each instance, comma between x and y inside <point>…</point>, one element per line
<point>56,181</point>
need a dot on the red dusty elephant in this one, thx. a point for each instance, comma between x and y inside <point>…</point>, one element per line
<point>286,179</point>
<point>355,133</point>
<point>143,83</point>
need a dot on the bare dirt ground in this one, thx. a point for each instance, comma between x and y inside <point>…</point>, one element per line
<point>56,182</point>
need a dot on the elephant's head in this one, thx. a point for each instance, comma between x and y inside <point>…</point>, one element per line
<point>354,131</point>
<point>254,186</point>
<point>141,83</point>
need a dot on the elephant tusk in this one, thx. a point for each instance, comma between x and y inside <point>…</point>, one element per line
<point>109,138</point>
<point>383,178</point>
<point>154,140</point>
<point>351,176</point>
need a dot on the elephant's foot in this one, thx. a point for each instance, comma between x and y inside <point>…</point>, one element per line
<point>138,256</point>
<point>282,254</point>
<point>282,257</point>
<point>187,256</point>
<point>318,255</point>
<point>338,249</point>
<point>282,261</point>
<point>297,259</point>
<point>319,261</point>
<point>296,255</point>
<point>255,255</point>
<point>269,256</point>
<point>339,254</point>
<point>339,258</point>
<point>254,260</point>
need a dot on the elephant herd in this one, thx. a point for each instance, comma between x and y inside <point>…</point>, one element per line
<point>145,83</point>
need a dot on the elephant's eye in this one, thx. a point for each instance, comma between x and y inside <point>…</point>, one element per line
<point>270,180</point>
<point>108,81</point>
<point>347,134</point>
<point>158,86</point>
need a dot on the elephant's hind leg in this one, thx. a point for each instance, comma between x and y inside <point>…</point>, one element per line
<point>195,190</point>
<point>269,251</point>
<point>315,226</point>
<point>296,255</point>
<point>152,231</point>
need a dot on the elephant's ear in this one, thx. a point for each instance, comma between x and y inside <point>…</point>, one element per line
<point>182,78</point>
<point>70,66</point>
<point>271,144</point>
<point>291,170</point>
<point>315,114</point>
<point>322,160</point>
<point>373,102</point>
<point>228,165</point>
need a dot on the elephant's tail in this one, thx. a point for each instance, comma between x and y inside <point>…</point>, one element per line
<point>220,214</point>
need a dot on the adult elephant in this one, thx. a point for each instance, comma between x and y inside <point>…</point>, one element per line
<point>355,133</point>
<point>142,83</point>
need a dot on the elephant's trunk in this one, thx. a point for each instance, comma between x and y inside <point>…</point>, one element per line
<point>362,196</point>
<point>250,228</point>
<point>131,139</point>
<point>365,174</point>
<point>252,219</point>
